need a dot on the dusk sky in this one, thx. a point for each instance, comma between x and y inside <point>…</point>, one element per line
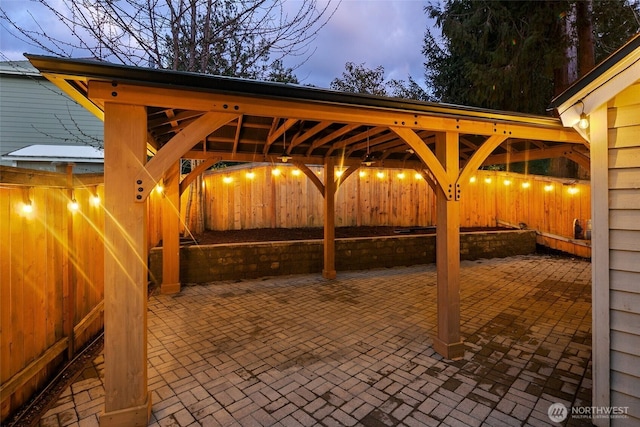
<point>375,32</point>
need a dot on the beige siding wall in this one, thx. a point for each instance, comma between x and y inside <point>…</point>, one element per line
<point>623,116</point>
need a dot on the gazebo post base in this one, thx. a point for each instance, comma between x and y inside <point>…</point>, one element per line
<point>329,274</point>
<point>453,351</point>
<point>170,288</point>
<point>134,416</point>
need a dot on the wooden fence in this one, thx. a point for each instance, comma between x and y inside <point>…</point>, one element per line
<point>243,198</point>
<point>52,259</point>
<point>51,274</point>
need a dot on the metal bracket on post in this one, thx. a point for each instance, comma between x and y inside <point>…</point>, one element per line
<point>458,191</point>
<point>139,190</point>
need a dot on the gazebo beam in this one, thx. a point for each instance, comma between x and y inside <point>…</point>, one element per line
<point>127,400</point>
<point>181,98</point>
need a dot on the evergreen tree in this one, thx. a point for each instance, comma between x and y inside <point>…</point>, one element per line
<point>496,54</point>
<point>515,55</point>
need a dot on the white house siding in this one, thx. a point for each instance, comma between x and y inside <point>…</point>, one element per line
<point>34,111</point>
<point>623,117</point>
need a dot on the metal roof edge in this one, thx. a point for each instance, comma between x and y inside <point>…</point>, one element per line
<point>205,82</point>
<point>582,83</point>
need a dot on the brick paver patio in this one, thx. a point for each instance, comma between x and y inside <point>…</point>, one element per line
<point>300,350</point>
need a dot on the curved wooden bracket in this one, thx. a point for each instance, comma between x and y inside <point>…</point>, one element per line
<point>342,178</point>
<point>426,155</point>
<point>206,164</point>
<point>312,176</point>
<point>173,150</point>
<point>476,161</point>
<point>426,175</point>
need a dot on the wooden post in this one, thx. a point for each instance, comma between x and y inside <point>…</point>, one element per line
<point>71,271</point>
<point>448,342</point>
<point>127,401</point>
<point>329,269</point>
<point>171,231</point>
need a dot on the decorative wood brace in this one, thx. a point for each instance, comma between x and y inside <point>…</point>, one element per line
<point>476,161</point>
<point>177,146</point>
<point>420,147</point>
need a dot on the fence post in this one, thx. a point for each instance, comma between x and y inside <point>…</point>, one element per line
<point>70,278</point>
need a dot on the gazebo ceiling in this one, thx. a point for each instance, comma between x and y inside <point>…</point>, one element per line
<point>267,120</point>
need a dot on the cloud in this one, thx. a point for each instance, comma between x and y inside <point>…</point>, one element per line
<point>374,32</point>
<point>383,32</point>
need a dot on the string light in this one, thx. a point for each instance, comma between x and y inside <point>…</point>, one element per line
<point>418,176</point>
<point>362,174</point>
<point>27,207</point>
<point>339,173</point>
<point>573,190</point>
<point>472,179</point>
<point>275,172</point>
<point>507,182</point>
<point>159,188</point>
<point>227,180</point>
<point>250,175</point>
<point>487,180</point>
<point>95,200</point>
<point>548,187</point>
<point>380,174</point>
<point>401,175</point>
<point>526,184</point>
<point>296,172</point>
<point>74,205</point>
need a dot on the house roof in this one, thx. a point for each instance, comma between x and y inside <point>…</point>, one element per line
<point>620,70</point>
<point>57,153</point>
<point>308,123</point>
<point>597,72</point>
<point>22,68</point>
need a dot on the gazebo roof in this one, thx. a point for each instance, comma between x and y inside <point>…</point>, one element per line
<point>308,123</point>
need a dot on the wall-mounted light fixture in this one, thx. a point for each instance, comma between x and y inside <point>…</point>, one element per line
<point>583,123</point>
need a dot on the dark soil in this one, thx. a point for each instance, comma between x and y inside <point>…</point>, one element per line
<point>282,234</point>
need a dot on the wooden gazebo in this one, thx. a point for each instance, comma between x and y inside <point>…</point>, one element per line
<point>154,118</point>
